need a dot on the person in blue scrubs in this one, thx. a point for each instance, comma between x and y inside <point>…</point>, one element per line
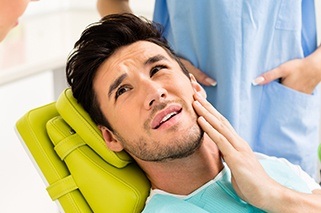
<point>241,47</point>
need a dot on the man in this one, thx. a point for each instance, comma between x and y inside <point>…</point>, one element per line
<point>237,41</point>
<point>144,101</point>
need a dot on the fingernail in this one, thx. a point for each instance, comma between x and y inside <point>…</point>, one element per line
<point>258,80</point>
<point>211,82</point>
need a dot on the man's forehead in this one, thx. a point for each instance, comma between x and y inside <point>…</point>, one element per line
<point>140,53</point>
<point>140,49</point>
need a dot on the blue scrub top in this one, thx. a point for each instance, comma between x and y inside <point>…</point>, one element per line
<point>234,41</point>
<point>309,31</point>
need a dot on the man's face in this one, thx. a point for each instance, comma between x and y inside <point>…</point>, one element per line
<point>147,99</point>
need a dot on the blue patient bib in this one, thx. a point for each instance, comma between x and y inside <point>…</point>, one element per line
<point>219,195</point>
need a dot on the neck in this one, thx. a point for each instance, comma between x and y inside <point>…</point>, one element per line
<point>183,176</point>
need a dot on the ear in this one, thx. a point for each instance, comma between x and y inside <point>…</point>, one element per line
<point>197,87</point>
<point>110,139</point>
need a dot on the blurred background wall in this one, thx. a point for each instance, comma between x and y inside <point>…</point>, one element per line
<point>45,24</point>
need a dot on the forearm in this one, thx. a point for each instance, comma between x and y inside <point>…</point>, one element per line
<point>106,7</point>
<point>287,200</point>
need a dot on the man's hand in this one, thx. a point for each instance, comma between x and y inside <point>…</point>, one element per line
<point>249,179</point>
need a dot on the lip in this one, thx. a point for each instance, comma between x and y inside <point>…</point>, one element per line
<point>173,111</point>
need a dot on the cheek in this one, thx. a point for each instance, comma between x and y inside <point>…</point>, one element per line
<point>123,120</point>
<point>182,88</point>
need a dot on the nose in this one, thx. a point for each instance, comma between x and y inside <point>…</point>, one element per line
<point>154,94</point>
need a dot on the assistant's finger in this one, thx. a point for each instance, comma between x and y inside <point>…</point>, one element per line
<point>269,76</point>
<point>200,76</point>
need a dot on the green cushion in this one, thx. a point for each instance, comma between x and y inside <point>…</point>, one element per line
<point>81,174</point>
<point>81,122</point>
<point>104,186</point>
<point>32,131</point>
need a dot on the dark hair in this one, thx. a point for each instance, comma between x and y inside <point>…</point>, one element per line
<point>97,43</point>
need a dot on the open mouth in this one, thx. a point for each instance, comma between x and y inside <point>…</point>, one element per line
<point>165,116</point>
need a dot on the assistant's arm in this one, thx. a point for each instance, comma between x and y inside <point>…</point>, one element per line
<point>106,7</point>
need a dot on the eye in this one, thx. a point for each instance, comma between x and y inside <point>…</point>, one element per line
<point>157,68</point>
<point>121,90</point>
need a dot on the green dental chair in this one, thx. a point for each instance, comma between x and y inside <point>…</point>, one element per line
<point>80,172</point>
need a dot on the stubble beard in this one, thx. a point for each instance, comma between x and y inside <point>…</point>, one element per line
<point>183,145</point>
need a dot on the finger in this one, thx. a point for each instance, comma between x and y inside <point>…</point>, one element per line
<point>268,76</point>
<point>220,124</point>
<point>208,106</point>
<point>222,143</point>
<point>200,76</point>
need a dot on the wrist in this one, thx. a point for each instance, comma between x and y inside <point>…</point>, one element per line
<point>284,200</point>
<point>275,200</point>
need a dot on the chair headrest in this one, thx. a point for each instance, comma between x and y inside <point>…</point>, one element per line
<point>79,120</point>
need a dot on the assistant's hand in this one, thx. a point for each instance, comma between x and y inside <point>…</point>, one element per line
<point>302,75</point>
<point>200,76</point>
<point>249,179</point>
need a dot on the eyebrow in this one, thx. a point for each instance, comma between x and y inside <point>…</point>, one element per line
<point>116,83</point>
<point>154,59</point>
<point>120,79</point>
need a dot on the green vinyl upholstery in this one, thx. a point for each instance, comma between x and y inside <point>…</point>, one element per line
<point>80,172</point>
